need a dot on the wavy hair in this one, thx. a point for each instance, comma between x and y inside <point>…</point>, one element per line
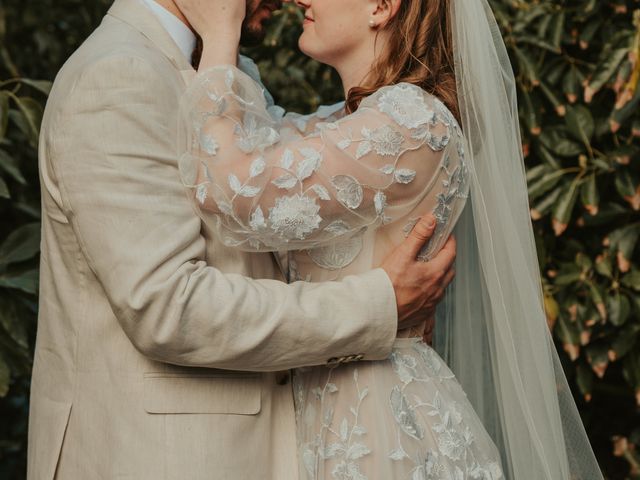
<point>419,51</point>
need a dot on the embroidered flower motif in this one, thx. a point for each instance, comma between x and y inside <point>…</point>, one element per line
<point>295,217</point>
<point>405,104</point>
<point>383,140</point>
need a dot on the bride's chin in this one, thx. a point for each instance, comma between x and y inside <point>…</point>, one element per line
<point>310,52</point>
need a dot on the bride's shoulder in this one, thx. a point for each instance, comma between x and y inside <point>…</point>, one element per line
<point>410,106</point>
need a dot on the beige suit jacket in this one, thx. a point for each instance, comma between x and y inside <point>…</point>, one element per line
<point>156,357</point>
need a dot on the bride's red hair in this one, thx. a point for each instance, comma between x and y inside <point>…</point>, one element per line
<point>418,51</point>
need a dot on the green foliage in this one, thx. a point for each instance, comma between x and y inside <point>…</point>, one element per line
<point>577,71</point>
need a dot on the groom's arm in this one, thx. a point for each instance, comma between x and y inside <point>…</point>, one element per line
<point>111,145</point>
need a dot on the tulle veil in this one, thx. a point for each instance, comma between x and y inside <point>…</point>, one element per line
<point>491,328</point>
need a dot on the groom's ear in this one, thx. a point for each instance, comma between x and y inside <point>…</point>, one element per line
<point>385,11</point>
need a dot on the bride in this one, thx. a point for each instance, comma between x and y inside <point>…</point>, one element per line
<point>429,125</point>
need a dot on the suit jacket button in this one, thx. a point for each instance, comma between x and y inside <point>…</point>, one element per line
<point>333,362</point>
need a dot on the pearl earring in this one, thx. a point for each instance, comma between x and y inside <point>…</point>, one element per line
<point>372,23</point>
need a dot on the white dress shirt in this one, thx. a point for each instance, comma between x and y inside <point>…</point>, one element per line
<point>179,32</point>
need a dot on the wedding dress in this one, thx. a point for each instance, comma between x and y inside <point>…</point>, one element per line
<point>338,192</point>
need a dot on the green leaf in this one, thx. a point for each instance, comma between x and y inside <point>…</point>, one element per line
<point>544,184</point>
<point>43,86</point>
<point>557,103</point>
<point>618,308</point>
<point>623,242</point>
<point>564,207</point>
<point>22,244</point>
<point>584,379</point>
<point>571,84</point>
<point>556,29</point>
<point>632,279</point>
<point>4,189</point>
<point>580,123</point>
<point>625,341</point>
<point>10,165</point>
<point>32,113</point>
<point>25,281</point>
<point>527,66</point>
<point>604,72</point>
<point>4,113</point>
<point>556,141</point>
<point>589,194</point>
<point>13,325</point>
<point>536,172</point>
<point>543,206</point>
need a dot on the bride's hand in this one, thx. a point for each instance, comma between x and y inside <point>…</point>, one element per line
<point>218,22</point>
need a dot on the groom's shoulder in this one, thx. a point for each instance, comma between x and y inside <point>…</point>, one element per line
<point>111,45</point>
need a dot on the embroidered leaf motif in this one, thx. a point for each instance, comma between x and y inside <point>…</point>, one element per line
<point>359,430</point>
<point>257,220</point>
<point>310,163</point>
<point>287,159</point>
<point>234,183</point>
<point>344,144</point>
<point>337,227</point>
<point>333,449</point>
<point>286,181</point>
<point>405,415</point>
<point>332,387</point>
<point>356,451</point>
<point>380,201</point>
<point>225,208</point>
<point>208,144</point>
<point>349,190</point>
<point>322,192</point>
<point>388,169</point>
<point>249,191</point>
<point>363,149</point>
<point>344,430</point>
<point>257,167</point>
<point>405,175</point>
<point>201,193</point>
<point>398,454</point>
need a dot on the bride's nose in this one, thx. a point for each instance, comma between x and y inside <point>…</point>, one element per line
<point>303,3</point>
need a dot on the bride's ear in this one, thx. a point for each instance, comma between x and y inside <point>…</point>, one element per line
<point>385,11</point>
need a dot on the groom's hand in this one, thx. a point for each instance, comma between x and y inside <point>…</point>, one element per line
<point>420,286</point>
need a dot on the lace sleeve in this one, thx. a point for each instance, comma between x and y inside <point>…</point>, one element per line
<point>266,186</point>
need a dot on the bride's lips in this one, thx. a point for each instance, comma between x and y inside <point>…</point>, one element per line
<point>307,20</point>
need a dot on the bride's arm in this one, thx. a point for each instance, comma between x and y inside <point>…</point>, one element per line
<point>266,192</point>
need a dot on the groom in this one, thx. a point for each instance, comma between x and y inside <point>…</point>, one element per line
<point>160,353</point>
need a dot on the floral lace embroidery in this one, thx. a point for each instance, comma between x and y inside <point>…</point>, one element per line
<point>346,447</point>
<point>452,458</point>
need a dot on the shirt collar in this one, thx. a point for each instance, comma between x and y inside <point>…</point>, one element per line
<point>179,32</point>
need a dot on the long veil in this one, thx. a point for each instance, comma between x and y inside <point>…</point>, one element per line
<point>491,328</point>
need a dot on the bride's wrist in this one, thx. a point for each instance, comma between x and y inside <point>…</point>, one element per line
<point>219,52</point>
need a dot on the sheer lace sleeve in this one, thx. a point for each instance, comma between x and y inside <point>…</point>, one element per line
<point>274,183</point>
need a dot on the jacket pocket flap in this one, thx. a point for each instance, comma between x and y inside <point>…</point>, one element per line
<point>179,393</point>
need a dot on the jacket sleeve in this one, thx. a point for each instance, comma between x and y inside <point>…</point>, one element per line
<point>112,150</point>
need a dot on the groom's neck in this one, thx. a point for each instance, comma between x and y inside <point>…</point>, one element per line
<point>173,8</point>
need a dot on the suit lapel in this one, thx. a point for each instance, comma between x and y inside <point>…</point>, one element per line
<point>136,14</point>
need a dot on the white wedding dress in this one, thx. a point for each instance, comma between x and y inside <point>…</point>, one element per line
<point>338,192</point>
